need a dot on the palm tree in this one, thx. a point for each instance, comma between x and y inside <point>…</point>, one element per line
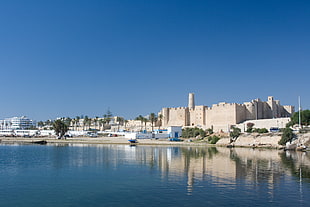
<point>160,118</point>
<point>120,121</point>
<point>101,124</point>
<point>153,119</point>
<point>85,122</point>
<point>107,117</point>
<point>77,123</point>
<point>89,122</point>
<point>73,121</point>
<point>141,119</point>
<point>145,120</point>
<point>67,121</point>
<point>126,122</point>
<point>96,121</point>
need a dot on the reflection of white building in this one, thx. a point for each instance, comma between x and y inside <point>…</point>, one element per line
<point>17,123</point>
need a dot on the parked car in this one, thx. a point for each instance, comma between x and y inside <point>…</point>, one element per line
<point>93,135</point>
<point>274,129</point>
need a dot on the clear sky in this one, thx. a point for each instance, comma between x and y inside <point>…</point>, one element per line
<point>70,58</point>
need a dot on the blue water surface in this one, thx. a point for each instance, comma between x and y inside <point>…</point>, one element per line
<point>121,175</point>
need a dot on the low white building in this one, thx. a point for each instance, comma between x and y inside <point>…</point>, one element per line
<point>265,123</point>
<point>171,132</point>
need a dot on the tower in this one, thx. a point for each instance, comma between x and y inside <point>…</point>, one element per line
<point>191,100</point>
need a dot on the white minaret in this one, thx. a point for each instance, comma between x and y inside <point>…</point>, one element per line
<point>191,101</point>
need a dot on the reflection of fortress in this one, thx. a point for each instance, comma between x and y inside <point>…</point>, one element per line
<point>223,115</point>
<point>221,166</point>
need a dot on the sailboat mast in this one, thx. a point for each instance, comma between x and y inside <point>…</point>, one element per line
<point>299,111</point>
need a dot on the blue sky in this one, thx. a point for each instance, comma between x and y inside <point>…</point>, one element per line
<point>72,58</point>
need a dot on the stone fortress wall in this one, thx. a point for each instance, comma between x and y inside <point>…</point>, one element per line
<point>221,116</point>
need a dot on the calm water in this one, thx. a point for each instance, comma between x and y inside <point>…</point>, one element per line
<point>120,175</point>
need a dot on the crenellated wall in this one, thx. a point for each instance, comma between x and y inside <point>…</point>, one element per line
<point>221,116</point>
<point>175,116</point>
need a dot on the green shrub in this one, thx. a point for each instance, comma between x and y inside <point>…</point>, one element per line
<point>287,136</point>
<point>263,130</point>
<point>260,130</point>
<point>249,130</point>
<point>249,127</point>
<point>213,139</point>
<point>235,133</point>
<point>209,131</point>
<point>193,132</point>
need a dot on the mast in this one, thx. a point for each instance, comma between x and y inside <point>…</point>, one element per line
<point>299,113</point>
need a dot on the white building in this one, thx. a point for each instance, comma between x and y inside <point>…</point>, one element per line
<point>17,123</point>
<point>171,132</point>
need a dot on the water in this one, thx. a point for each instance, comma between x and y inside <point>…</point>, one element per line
<point>121,175</point>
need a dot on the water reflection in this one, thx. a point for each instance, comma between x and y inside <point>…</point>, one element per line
<point>221,165</point>
<point>225,167</point>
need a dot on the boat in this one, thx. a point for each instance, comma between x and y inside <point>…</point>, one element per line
<point>39,142</point>
<point>301,148</point>
<point>132,141</point>
<point>175,139</point>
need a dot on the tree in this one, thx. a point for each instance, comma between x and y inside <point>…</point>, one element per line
<point>249,127</point>
<point>120,121</point>
<point>153,119</point>
<point>126,122</point>
<point>67,121</point>
<point>160,118</point>
<point>96,121</point>
<point>235,133</point>
<point>305,118</point>
<point>213,139</point>
<point>40,124</point>
<point>77,122</point>
<point>85,122</point>
<point>193,132</point>
<point>287,136</point>
<point>209,131</point>
<point>101,124</point>
<point>60,128</point>
<point>89,122</point>
<point>108,116</point>
<point>141,119</point>
<point>145,120</point>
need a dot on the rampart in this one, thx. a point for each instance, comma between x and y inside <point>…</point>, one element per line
<point>221,116</point>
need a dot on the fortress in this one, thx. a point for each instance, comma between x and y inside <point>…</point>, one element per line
<point>221,116</point>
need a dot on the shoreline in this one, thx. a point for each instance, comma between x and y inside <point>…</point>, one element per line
<point>115,141</point>
<point>99,140</point>
<point>244,141</point>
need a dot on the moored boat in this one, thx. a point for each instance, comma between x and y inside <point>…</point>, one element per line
<point>39,142</point>
<point>132,141</point>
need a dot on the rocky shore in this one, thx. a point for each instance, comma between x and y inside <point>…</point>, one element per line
<point>269,140</point>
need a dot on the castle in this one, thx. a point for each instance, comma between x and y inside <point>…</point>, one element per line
<point>221,116</point>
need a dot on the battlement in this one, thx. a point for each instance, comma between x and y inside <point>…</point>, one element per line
<point>178,108</point>
<point>224,104</point>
